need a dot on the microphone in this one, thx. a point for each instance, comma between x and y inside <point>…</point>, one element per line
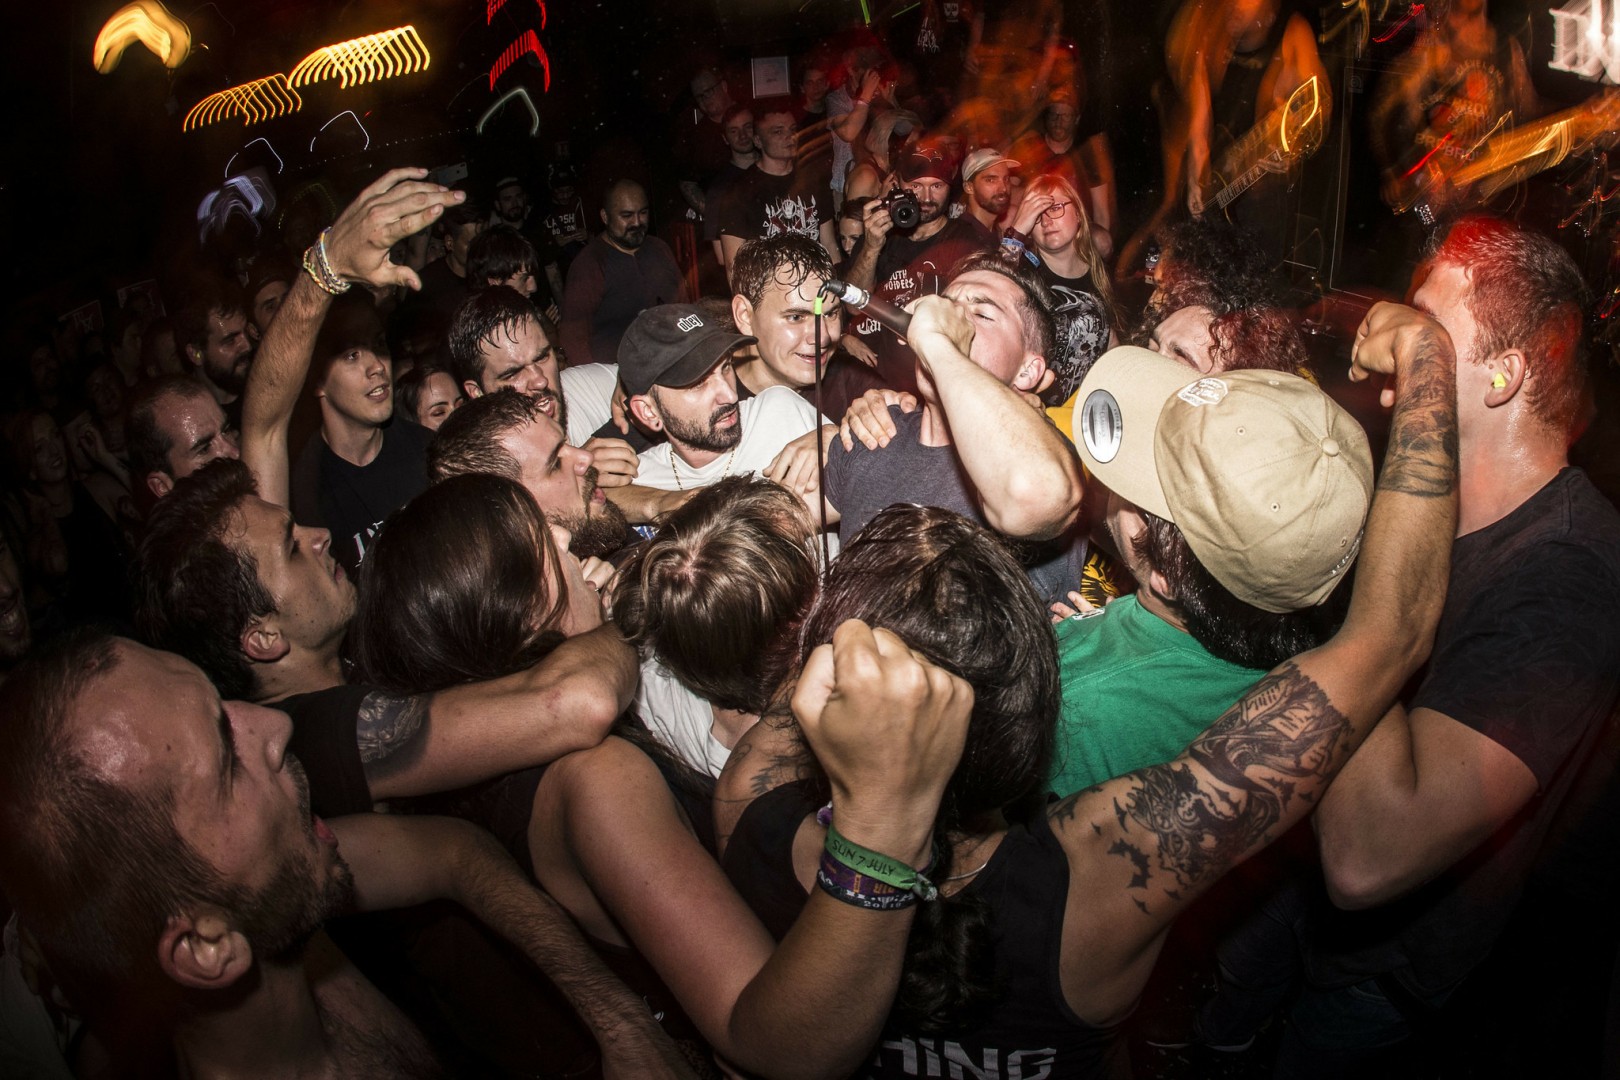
<point>884,312</point>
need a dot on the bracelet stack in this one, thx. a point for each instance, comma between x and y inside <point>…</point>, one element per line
<point>864,878</point>
<point>320,270</point>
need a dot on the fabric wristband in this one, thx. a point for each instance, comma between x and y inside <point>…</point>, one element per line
<point>871,864</point>
<point>860,890</point>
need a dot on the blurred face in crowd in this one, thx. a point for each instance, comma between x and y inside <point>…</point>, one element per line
<point>439,398</point>
<point>739,133</point>
<point>1059,223</point>
<point>1184,336</point>
<point>105,389</point>
<point>992,188</point>
<point>524,360</point>
<point>702,416</point>
<point>523,281</point>
<point>711,94</point>
<point>459,240</point>
<point>228,352</point>
<point>47,450</point>
<point>850,231</point>
<point>511,204</point>
<point>312,595</point>
<point>153,724</point>
<point>784,321</point>
<point>359,387</point>
<point>814,86</point>
<point>626,216</point>
<point>775,136</point>
<point>266,302</point>
<point>993,302</point>
<point>195,427</point>
<point>16,635</point>
<point>932,194</point>
<point>562,480</point>
<point>1060,120</point>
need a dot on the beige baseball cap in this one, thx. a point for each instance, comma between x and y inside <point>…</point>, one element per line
<point>1266,476</point>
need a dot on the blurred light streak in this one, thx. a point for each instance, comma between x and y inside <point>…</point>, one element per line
<point>147,22</point>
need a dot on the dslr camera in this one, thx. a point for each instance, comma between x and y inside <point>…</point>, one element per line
<point>902,207</point>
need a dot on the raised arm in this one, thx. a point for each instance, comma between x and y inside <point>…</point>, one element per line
<point>426,743</point>
<point>1143,846</point>
<point>404,860</point>
<point>889,729</point>
<point>1026,473</point>
<point>356,250</point>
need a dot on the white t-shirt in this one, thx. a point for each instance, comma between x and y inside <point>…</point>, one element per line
<point>770,420</point>
<point>588,389</point>
<point>679,719</point>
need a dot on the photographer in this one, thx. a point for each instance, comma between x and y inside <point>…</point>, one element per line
<point>898,263</point>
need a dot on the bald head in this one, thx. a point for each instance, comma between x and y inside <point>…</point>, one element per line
<point>625,214</point>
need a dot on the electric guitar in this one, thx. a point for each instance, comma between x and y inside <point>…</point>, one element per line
<point>1434,185</point>
<point>1288,134</point>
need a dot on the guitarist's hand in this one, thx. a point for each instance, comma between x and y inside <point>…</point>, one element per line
<point>1195,200</point>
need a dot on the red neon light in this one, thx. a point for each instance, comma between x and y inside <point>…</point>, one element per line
<point>1414,12</point>
<point>527,43</point>
<point>492,6</point>
<point>1414,170</point>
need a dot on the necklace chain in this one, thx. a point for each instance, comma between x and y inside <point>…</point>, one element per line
<point>676,472</point>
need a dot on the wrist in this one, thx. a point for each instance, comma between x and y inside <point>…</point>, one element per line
<point>904,833</point>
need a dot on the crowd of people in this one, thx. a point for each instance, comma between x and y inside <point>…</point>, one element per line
<point>480,643</point>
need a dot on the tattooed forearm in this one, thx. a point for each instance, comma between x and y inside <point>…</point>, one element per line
<point>1422,456</point>
<point>1257,767</point>
<point>389,725</point>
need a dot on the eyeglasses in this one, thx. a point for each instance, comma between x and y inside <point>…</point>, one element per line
<point>1055,210</point>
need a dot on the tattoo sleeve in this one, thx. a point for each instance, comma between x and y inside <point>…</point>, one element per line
<point>389,729</point>
<point>1422,455</point>
<point>1251,774</point>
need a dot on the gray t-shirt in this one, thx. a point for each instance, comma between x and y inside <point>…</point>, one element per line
<point>861,482</point>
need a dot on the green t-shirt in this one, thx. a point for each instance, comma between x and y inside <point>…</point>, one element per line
<point>1136,691</point>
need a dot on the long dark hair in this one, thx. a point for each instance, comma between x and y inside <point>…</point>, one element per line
<point>462,584</point>
<point>954,592</point>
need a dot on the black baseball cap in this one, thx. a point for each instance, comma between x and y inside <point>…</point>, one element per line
<point>673,345</point>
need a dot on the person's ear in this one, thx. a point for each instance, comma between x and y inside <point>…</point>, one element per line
<point>472,389</point>
<point>641,407</point>
<point>203,951</point>
<point>1506,373</point>
<point>194,355</point>
<point>159,483</point>
<point>1031,378</point>
<point>743,313</point>
<point>263,642</point>
<point>603,214</point>
<point>1159,586</point>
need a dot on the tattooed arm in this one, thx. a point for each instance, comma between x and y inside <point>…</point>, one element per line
<point>420,744</point>
<point>1143,846</point>
<point>769,754</point>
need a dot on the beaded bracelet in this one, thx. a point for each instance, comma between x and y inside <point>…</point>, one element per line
<point>320,270</point>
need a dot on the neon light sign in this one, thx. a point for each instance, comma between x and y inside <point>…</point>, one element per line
<point>526,43</point>
<point>376,56</point>
<point>1586,40</point>
<point>261,99</point>
<point>148,23</point>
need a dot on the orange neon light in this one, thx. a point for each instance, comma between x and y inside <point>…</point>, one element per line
<point>261,99</point>
<point>527,43</point>
<point>367,59</point>
<point>144,22</point>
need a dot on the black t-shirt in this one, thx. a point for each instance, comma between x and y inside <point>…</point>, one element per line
<point>907,269</point>
<point>1080,325</point>
<point>717,192</point>
<point>1527,654</point>
<point>761,204</point>
<point>441,295</point>
<point>354,500</point>
<point>1028,1029</point>
<point>325,740</point>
